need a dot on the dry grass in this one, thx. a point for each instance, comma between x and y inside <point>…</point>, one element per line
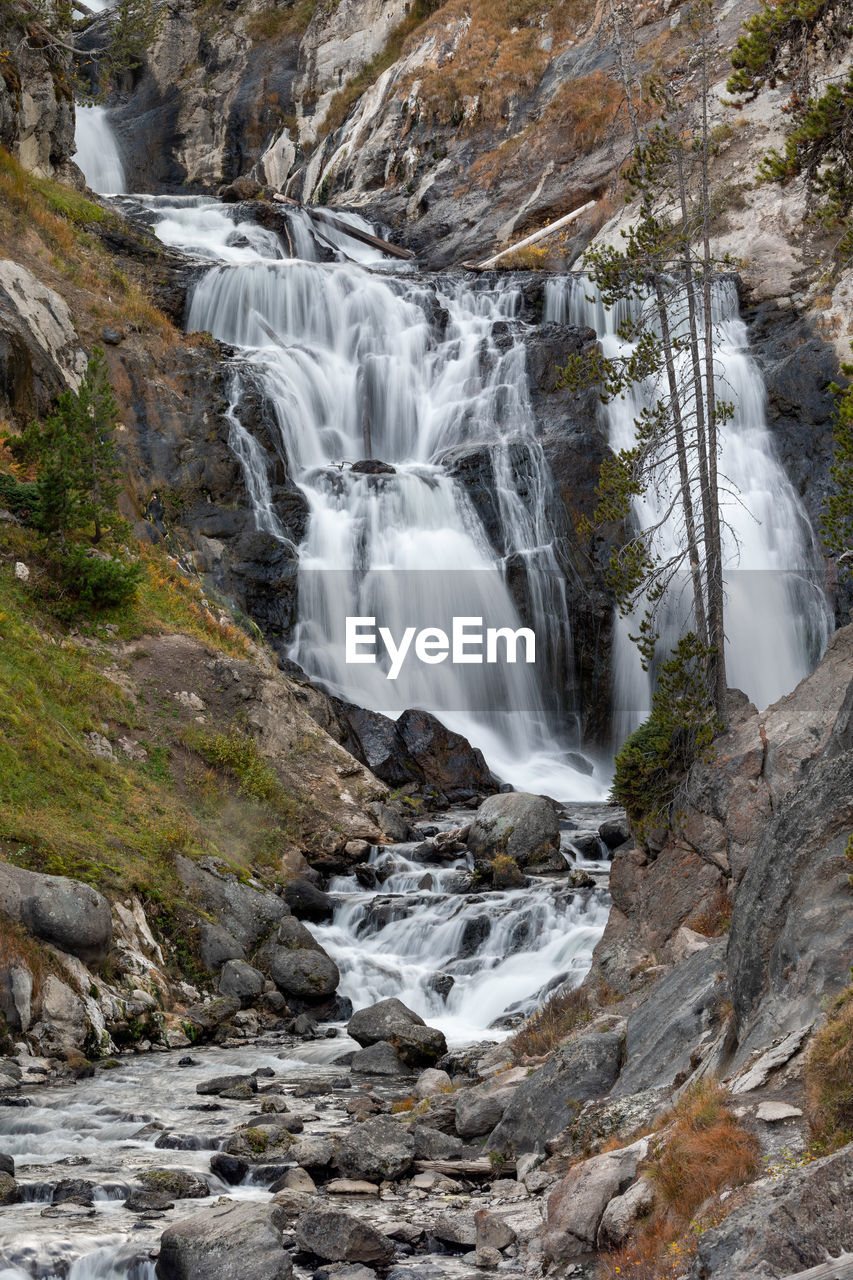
<point>715,917</point>
<point>702,1151</point>
<point>829,1078</point>
<point>561,1014</point>
<point>276,22</point>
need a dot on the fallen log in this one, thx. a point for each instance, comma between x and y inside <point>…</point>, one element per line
<point>355,233</point>
<point>466,1168</point>
<point>840,1269</point>
<point>537,235</point>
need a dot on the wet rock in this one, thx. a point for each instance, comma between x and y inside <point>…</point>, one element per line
<point>788,1225</point>
<point>293,936</point>
<point>392,1021</point>
<point>373,467</point>
<point>7,1164</point>
<point>73,916</point>
<point>304,1025</point>
<point>218,1084</point>
<point>475,931</point>
<point>262,1140</point>
<point>577,1203</point>
<point>175,1182</point>
<point>338,1237</point>
<point>226,1242</point>
<point>184,1142</point>
<point>391,821</point>
<point>378,744</point>
<point>241,981</point>
<point>308,975</point>
<point>379,1149</point>
<point>380,1059</point>
<point>665,1029</point>
<point>209,1017</point>
<point>230,1169</point>
<point>306,901</point>
<point>141,1201</point>
<point>9,1193</point>
<point>446,759</point>
<point>614,831</point>
<point>298,1180</point>
<point>548,1100</point>
<point>432,1144</point>
<point>73,1191</point>
<point>520,826</point>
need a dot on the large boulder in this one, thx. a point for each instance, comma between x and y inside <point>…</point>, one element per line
<point>73,916</point>
<point>293,935</point>
<point>523,827</point>
<point>337,1237</point>
<point>391,1021</point>
<point>548,1100</point>
<point>241,981</point>
<point>380,1059</point>
<point>478,1110</point>
<point>306,901</point>
<point>665,1030</point>
<point>447,760</point>
<point>788,1225</point>
<point>577,1203</point>
<point>309,975</point>
<point>379,1149</point>
<point>230,1241</point>
<point>246,912</point>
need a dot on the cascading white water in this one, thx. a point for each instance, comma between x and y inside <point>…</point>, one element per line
<point>97,151</point>
<point>777,617</point>
<point>357,364</point>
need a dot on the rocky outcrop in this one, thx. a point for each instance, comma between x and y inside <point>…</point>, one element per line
<point>36,99</point>
<point>391,1021</point>
<point>40,353</point>
<point>73,916</point>
<point>516,825</point>
<point>759,767</point>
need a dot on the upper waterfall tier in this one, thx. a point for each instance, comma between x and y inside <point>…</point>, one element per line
<point>97,152</point>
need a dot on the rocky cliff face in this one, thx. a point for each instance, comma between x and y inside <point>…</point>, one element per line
<point>36,101</point>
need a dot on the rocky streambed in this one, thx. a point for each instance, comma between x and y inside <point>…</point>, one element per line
<point>286,1120</point>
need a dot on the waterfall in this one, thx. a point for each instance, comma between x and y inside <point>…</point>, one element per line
<point>777,617</point>
<point>358,363</point>
<point>97,151</point>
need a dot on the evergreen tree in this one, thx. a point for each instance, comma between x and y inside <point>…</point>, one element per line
<point>74,452</point>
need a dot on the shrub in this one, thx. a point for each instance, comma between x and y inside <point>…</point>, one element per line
<point>97,581</point>
<point>560,1015</point>
<point>829,1077</point>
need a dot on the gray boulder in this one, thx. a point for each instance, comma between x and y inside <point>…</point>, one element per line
<point>219,1084</point>
<point>380,1059</point>
<point>73,916</point>
<point>520,826</point>
<point>307,975</point>
<point>378,1149</point>
<point>337,1237</point>
<point>241,981</point>
<point>546,1102</point>
<point>226,1242</point>
<point>478,1110</point>
<point>216,945</point>
<point>788,1225</point>
<point>293,935</point>
<point>392,1021</point>
<point>432,1144</point>
<point>177,1183</point>
<point>142,1201</point>
<point>207,1018</point>
<point>9,1192</point>
<point>246,912</point>
<point>306,901</point>
<point>577,1203</point>
<point>666,1028</point>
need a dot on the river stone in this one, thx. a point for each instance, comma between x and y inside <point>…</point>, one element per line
<point>209,1017</point>
<point>378,1149</point>
<point>614,831</point>
<point>231,1169</point>
<point>457,1229</point>
<point>432,1081</point>
<point>175,1182</point>
<point>519,826</point>
<point>306,901</point>
<point>218,1084</point>
<point>308,975</point>
<point>73,916</point>
<point>314,1154</point>
<point>380,1059</point>
<point>432,1144</point>
<point>337,1237</point>
<point>7,1164</point>
<point>241,981</point>
<point>545,1103</point>
<point>665,1029</point>
<point>392,1021</point>
<point>9,1193</point>
<point>226,1242</point>
<point>142,1201</point>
